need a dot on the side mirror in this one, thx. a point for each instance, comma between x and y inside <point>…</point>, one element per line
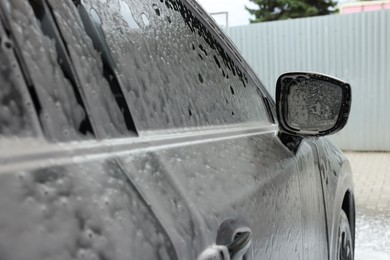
<point>310,104</point>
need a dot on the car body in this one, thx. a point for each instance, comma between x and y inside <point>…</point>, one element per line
<point>135,130</point>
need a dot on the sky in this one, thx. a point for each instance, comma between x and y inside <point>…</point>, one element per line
<point>237,15</point>
<point>236,9</point>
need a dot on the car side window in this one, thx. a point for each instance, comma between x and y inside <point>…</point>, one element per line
<point>17,115</point>
<point>95,69</point>
<point>176,73</point>
<point>60,113</point>
<point>74,97</point>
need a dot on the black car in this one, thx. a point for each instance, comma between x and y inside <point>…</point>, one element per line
<point>134,129</point>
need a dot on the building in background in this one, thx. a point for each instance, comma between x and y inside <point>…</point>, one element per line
<point>364,6</point>
<point>228,13</point>
<point>217,17</point>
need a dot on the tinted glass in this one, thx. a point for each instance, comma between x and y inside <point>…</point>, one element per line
<point>94,68</point>
<point>175,71</point>
<point>61,115</point>
<point>73,96</point>
<point>17,115</point>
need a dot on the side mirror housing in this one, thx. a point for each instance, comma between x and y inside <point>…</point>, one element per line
<point>310,104</point>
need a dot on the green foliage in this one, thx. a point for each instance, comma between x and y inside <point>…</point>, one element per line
<point>272,10</point>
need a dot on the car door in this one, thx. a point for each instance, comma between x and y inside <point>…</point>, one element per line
<point>314,225</point>
<point>338,190</point>
<point>209,160</point>
<point>63,194</point>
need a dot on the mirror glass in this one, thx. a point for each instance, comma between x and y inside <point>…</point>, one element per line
<point>313,104</point>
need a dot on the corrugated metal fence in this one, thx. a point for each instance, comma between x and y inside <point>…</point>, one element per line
<point>354,47</point>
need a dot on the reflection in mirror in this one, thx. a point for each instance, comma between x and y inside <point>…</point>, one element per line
<point>313,104</point>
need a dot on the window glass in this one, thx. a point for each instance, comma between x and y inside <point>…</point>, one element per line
<point>59,112</point>
<point>95,69</point>
<point>17,115</point>
<point>72,104</point>
<point>176,73</point>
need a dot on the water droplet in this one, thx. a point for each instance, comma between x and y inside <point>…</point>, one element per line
<point>145,20</point>
<point>156,9</point>
<point>200,78</point>
<point>217,61</point>
<point>8,44</point>
<point>232,90</point>
<point>128,16</point>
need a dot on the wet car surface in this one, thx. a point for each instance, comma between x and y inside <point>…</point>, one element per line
<point>135,130</point>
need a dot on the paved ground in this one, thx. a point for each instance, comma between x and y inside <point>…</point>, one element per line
<point>372,180</point>
<point>371,172</point>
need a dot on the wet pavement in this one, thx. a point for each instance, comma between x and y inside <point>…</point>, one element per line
<point>372,235</point>
<point>372,193</point>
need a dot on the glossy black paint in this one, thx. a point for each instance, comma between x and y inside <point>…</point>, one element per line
<point>204,167</point>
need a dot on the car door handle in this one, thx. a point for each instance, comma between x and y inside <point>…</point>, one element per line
<point>240,245</point>
<point>235,250</point>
